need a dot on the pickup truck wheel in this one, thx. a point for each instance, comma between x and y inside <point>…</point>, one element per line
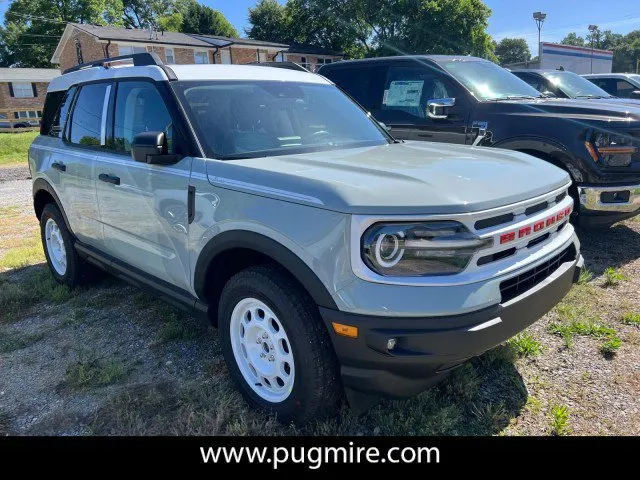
<point>276,346</point>
<point>63,261</point>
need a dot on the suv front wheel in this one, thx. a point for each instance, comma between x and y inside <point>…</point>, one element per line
<point>276,346</point>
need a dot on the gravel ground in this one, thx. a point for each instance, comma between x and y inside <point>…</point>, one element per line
<point>15,185</point>
<point>108,359</point>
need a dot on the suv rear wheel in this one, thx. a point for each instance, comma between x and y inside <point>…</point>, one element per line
<point>276,346</point>
<point>64,263</point>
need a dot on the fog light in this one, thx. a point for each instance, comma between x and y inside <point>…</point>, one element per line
<point>391,343</point>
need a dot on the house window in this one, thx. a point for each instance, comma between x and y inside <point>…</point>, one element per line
<point>201,57</point>
<point>323,61</point>
<point>169,55</point>
<point>130,49</point>
<point>304,61</point>
<point>225,56</point>
<point>22,90</point>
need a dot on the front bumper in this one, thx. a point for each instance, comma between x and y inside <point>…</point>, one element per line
<point>602,205</point>
<point>428,348</point>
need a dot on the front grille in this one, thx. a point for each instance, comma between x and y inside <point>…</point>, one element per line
<point>510,289</point>
<point>536,208</point>
<point>510,217</point>
<point>494,221</point>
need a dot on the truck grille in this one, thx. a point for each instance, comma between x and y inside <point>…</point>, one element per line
<point>515,286</point>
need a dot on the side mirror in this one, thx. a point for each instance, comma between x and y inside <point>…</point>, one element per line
<point>385,126</point>
<point>151,147</point>
<point>438,108</point>
<point>635,94</point>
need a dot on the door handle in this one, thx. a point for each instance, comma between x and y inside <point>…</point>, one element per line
<point>59,166</point>
<point>104,177</point>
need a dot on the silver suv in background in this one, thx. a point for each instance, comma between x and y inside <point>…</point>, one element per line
<point>331,257</point>
<point>623,85</point>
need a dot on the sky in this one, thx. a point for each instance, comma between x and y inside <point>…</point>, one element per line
<point>510,18</point>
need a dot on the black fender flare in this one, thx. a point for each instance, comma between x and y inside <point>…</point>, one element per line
<point>41,184</point>
<point>262,244</point>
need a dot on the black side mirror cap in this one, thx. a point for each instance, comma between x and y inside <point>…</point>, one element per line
<point>151,147</point>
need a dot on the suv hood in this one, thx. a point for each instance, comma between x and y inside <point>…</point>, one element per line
<point>403,178</point>
<point>615,114</point>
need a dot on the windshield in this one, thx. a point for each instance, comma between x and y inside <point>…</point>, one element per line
<point>575,86</point>
<point>243,119</point>
<point>488,81</point>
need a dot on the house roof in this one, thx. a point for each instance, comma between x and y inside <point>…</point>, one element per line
<point>28,74</point>
<point>140,35</point>
<point>238,41</point>
<point>115,34</point>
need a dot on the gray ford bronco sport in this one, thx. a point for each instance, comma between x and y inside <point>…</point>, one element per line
<point>330,256</point>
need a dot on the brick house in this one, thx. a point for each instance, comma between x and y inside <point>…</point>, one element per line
<point>81,43</point>
<point>22,94</point>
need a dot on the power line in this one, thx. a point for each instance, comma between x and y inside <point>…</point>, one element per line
<point>34,17</point>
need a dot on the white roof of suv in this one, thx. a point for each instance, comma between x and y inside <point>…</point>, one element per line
<point>186,72</point>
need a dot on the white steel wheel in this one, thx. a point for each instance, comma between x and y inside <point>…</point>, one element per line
<point>55,247</point>
<point>262,350</point>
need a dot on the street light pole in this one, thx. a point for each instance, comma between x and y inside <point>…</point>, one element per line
<point>539,18</point>
<point>592,29</point>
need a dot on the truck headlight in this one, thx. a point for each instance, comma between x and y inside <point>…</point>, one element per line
<point>611,150</point>
<point>419,249</point>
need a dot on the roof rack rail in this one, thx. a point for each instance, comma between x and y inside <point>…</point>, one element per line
<point>138,59</point>
<point>287,65</point>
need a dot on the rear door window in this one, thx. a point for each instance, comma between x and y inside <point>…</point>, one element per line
<point>86,120</point>
<point>364,84</point>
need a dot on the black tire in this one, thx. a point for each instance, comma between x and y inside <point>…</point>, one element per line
<point>316,390</point>
<point>75,267</point>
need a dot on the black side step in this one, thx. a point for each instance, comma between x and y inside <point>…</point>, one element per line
<point>164,290</point>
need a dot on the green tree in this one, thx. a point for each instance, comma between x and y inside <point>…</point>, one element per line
<point>446,27</point>
<point>626,53</point>
<point>512,50</point>
<point>377,27</point>
<point>199,18</point>
<point>573,39</point>
<point>32,28</point>
<point>268,21</point>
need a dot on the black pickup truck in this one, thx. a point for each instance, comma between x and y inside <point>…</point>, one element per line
<point>468,100</point>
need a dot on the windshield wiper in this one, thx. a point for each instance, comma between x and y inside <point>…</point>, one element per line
<point>589,96</point>
<point>516,97</point>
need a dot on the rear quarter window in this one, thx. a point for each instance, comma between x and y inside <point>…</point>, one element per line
<point>51,106</point>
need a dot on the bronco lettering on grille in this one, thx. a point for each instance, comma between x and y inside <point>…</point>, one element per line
<point>535,227</point>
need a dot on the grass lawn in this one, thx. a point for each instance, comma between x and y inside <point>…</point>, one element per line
<point>14,147</point>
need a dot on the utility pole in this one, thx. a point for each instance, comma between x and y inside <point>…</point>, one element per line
<point>539,17</point>
<point>593,29</point>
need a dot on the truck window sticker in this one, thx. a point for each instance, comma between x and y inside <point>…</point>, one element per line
<point>404,93</point>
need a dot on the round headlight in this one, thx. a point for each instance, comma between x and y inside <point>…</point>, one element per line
<point>419,249</point>
<point>389,248</point>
